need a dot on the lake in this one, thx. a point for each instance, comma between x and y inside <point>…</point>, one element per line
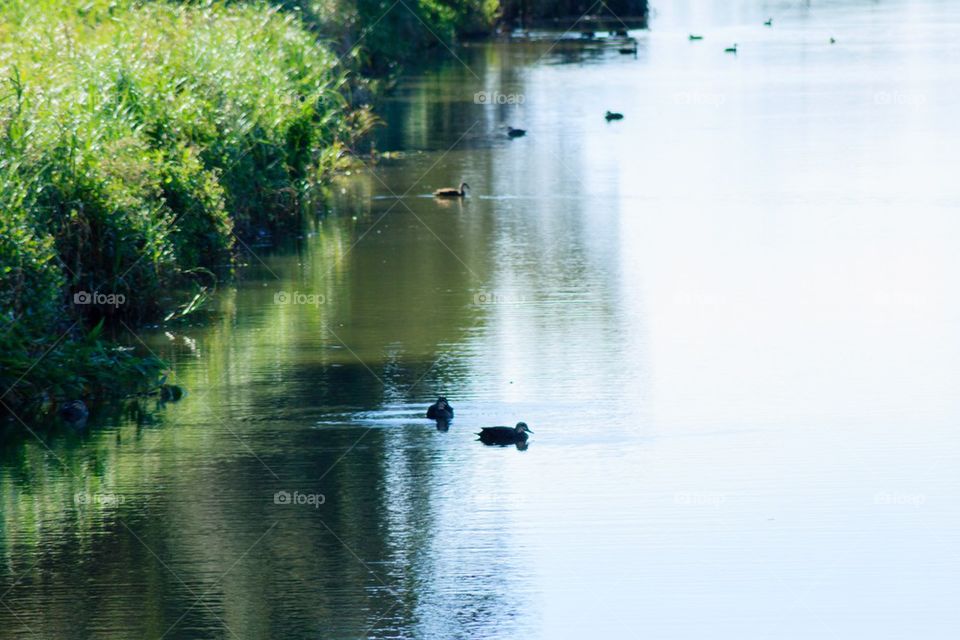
<point>730,319</point>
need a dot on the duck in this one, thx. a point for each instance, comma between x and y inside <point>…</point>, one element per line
<point>505,435</point>
<point>613,115</point>
<point>768,22</point>
<point>833,40</point>
<point>732,49</point>
<point>441,411</point>
<point>694,36</point>
<point>450,192</point>
<point>516,133</point>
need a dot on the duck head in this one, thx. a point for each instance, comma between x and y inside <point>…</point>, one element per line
<point>522,428</point>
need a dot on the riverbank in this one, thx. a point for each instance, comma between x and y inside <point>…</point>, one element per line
<point>143,144</point>
<point>138,142</point>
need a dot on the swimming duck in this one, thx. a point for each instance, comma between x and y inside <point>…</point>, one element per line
<point>516,133</point>
<point>612,115</point>
<point>768,22</point>
<point>732,49</point>
<point>833,41</point>
<point>505,435</point>
<point>450,192</point>
<point>441,411</point>
<point>695,37</point>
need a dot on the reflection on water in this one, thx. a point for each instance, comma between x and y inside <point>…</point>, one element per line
<point>729,320</point>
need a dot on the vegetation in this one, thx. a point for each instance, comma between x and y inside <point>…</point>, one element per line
<point>135,140</point>
<point>533,11</point>
<point>139,139</point>
<point>379,34</point>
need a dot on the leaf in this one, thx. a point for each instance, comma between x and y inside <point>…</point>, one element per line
<point>95,332</point>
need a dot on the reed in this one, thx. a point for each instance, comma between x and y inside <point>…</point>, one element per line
<point>135,139</point>
<point>138,138</point>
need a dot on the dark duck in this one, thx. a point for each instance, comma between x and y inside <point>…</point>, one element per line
<point>450,192</point>
<point>505,435</point>
<point>442,412</point>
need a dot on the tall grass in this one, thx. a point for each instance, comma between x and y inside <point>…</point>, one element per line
<point>138,137</point>
<point>128,131</point>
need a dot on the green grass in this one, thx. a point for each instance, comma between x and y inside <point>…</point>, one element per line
<point>135,138</point>
<point>139,138</point>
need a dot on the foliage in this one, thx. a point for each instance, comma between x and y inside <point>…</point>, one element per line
<point>377,35</point>
<point>520,11</point>
<point>37,373</point>
<point>135,138</point>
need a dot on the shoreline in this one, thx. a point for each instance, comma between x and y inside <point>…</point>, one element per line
<point>179,152</point>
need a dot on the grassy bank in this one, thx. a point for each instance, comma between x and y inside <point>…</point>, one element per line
<point>139,139</point>
<point>135,140</point>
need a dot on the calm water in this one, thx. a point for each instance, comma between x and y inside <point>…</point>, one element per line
<point>730,320</point>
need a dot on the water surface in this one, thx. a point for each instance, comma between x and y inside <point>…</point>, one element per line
<point>730,319</point>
